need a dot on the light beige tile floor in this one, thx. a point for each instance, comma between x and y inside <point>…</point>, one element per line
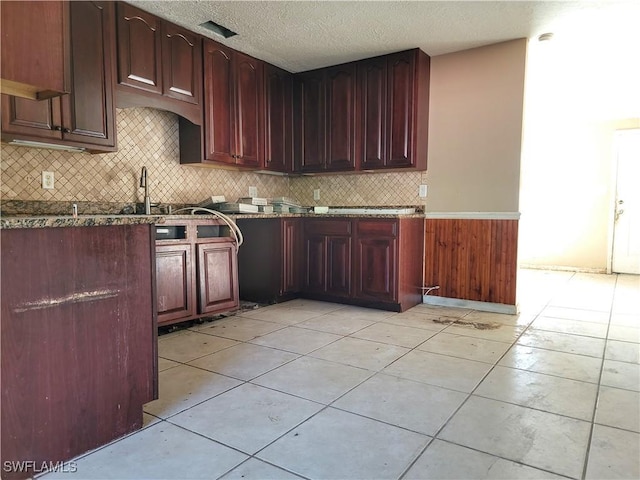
<point>315,390</point>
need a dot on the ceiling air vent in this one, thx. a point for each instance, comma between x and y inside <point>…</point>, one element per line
<point>218,29</point>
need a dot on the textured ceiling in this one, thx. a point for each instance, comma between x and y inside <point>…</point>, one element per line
<point>302,35</point>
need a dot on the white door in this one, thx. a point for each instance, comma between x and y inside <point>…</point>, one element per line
<point>626,232</point>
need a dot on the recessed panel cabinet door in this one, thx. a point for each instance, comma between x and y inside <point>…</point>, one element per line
<point>373,90</point>
<point>311,121</point>
<point>377,264</point>
<point>174,278</point>
<point>400,71</point>
<point>217,277</point>
<point>219,104</point>
<point>339,266</point>
<point>39,118</point>
<point>181,63</point>
<point>291,255</point>
<point>315,256</point>
<point>249,110</point>
<point>88,113</point>
<point>278,119</point>
<point>341,117</point>
<point>139,49</point>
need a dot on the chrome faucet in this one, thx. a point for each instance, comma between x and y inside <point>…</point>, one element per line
<point>144,183</point>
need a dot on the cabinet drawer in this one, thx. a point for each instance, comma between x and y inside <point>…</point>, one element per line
<point>384,228</point>
<point>328,227</point>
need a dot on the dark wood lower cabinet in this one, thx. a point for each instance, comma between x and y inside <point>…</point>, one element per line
<point>196,269</point>
<point>79,344</point>
<point>370,262</point>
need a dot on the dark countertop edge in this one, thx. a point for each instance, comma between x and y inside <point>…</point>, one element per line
<point>57,221</point>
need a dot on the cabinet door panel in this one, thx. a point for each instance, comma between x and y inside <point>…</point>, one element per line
<point>249,110</point>
<point>315,256</point>
<point>219,122</point>
<point>341,116</point>
<point>291,255</point>
<point>217,277</point>
<point>31,117</point>
<point>88,112</point>
<point>376,268</point>
<point>174,278</point>
<point>311,122</point>
<point>139,49</point>
<point>339,266</point>
<point>400,113</point>
<point>278,115</point>
<point>373,106</point>
<point>181,63</point>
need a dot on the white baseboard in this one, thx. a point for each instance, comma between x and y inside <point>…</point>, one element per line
<point>471,304</point>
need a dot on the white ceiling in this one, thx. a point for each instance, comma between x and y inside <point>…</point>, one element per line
<point>302,35</point>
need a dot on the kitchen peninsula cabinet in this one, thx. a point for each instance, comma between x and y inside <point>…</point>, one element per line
<point>196,270</point>
<point>270,260</point>
<point>325,119</point>
<point>79,339</point>
<point>159,64</point>
<point>35,62</point>
<point>86,117</point>
<point>278,95</point>
<point>393,110</point>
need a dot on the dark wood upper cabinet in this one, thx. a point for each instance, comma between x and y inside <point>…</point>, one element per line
<point>159,64</point>
<point>139,49</point>
<point>309,121</point>
<point>181,62</point>
<point>233,111</point>
<point>34,49</point>
<point>278,155</point>
<point>394,110</point>
<point>85,117</point>
<point>341,117</point>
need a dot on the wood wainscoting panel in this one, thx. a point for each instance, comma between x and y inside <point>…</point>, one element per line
<point>472,259</point>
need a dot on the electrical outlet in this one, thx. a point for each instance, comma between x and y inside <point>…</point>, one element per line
<point>423,191</point>
<point>48,180</point>
<point>253,192</point>
<point>316,194</point>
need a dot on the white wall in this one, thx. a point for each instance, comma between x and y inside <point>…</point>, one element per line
<point>475,129</point>
<point>578,92</point>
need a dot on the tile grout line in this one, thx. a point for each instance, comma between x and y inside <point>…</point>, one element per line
<point>595,408</point>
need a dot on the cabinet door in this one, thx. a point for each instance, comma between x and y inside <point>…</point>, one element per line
<point>338,266</point>
<point>174,282</point>
<point>217,277</point>
<point>400,121</point>
<point>341,117</point>
<point>372,76</point>
<point>249,110</point>
<point>219,122</point>
<point>310,121</point>
<point>315,260</point>
<point>88,113</point>
<point>278,119</point>
<point>181,63</point>
<point>291,255</point>
<point>37,119</point>
<point>139,49</point>
<point>376,267</point>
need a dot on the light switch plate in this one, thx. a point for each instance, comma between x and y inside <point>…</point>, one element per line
<point>423,191</point>
<point>253,192</point>
<point>316,194</point>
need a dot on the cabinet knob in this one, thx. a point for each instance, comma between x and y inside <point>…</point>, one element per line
<point>66,130</point>
<point>57,128</point>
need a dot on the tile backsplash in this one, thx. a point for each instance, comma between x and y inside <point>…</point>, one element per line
<point>149,137</point>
